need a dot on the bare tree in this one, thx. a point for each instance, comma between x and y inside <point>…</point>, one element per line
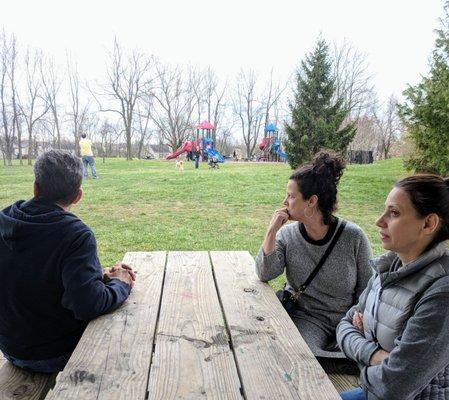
<point>248,109</point>
<point>174,104</point>
<point>142,123</point>
<point>214,99</point>
<point>224,140</point>
<point>32,105</point>
<point>110,136</point>
<point>197,78</point>
<point>389,126</point>
<point>273,94</point>
<point>77,111</point>
<point>353,81</point>
<point>43,135</point>
<point>47,131</point>
<point>210,96</point>
<point>128,81</point>
<point>90,122</point>
<point>8,93</point>
<point>52,85</point>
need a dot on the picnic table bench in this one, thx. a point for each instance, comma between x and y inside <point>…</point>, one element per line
<point>196,325</point>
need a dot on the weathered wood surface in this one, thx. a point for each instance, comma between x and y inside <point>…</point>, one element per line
<point>182,346</point>
<point>192,357</point>
<point>273,360</point>
<point>113,357</point>
<point>18,384</point>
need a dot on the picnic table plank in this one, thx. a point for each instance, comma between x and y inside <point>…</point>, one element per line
<point>273,360</point>
<point>192,355</point>
<point>17,384</point>
<point>113,356</point>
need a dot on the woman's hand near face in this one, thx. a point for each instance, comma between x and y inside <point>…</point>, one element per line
<point>279,218</point>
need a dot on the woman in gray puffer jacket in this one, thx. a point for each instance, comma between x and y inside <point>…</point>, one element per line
<point>398,333</point>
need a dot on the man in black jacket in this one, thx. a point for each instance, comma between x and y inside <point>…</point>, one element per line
<point>51,282</point>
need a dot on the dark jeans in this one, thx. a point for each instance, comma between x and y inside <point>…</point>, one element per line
<point>354,394</point>
<point>43,366</point>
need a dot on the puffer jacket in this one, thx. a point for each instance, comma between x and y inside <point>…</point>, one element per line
<point>405,312</point>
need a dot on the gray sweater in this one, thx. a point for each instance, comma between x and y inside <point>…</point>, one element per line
<point>405,313</point>
<point>337,285</point>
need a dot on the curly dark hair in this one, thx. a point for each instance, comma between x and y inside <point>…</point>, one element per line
<point>321,178</point>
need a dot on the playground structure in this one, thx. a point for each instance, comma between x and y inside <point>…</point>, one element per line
<point>200,148</point>
<point>271,146</point>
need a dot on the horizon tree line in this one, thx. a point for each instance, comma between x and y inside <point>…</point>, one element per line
<point>142,99</point>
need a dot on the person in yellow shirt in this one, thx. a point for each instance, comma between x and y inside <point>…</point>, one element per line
<point>87,156</point>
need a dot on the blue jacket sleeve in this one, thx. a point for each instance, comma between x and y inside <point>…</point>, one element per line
<point>85,293</point>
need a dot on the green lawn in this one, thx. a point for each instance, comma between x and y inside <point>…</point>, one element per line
<point>149,205</point>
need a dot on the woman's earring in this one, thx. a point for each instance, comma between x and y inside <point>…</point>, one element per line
<point>311,215</point>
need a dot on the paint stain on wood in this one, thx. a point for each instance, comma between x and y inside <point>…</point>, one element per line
<point>80,376</point>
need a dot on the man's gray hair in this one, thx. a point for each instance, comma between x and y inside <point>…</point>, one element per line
<point>58,175</point>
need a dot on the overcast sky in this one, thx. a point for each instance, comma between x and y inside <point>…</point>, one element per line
<point>396,35</point>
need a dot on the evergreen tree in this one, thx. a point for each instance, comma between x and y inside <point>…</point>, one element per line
<point>425,113</point>
<point>317,116</point>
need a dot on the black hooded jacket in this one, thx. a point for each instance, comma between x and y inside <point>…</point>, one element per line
<point>51,281</point>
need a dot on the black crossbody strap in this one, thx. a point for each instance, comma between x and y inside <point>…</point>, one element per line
<point>337,235</point>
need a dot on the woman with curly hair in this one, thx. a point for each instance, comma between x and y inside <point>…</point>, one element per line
<point>297,248</point>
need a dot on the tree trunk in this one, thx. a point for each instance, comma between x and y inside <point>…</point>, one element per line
<point>128,144</point>
<point>30,145</point>
<point>19,143</point>
<point>139,151</point>
<point>58,131</point>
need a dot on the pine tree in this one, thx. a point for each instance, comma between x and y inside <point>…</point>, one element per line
<point>317,116</point>
<point>425,113</point>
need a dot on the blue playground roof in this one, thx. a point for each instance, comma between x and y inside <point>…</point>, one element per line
<point>271,128</point>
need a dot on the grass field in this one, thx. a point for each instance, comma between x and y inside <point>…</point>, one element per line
<point>149,205</point>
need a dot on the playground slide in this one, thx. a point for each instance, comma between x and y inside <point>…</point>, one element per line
<point>265,141</point>
<point>282,154</point>
<point>276,148</point>
<point>187,146</point>
<point>216,154</point>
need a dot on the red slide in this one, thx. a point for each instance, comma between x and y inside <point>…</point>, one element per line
<point>264,143</point>
<point>187,146</point>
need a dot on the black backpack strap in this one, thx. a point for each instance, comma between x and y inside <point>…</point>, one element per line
<point>337,235</point>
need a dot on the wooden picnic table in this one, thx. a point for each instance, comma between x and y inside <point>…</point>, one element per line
<point>196,325</point>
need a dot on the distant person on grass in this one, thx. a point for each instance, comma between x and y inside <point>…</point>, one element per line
<point>51,282</point>
<point>88,156</point>
<point>298,248</point>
